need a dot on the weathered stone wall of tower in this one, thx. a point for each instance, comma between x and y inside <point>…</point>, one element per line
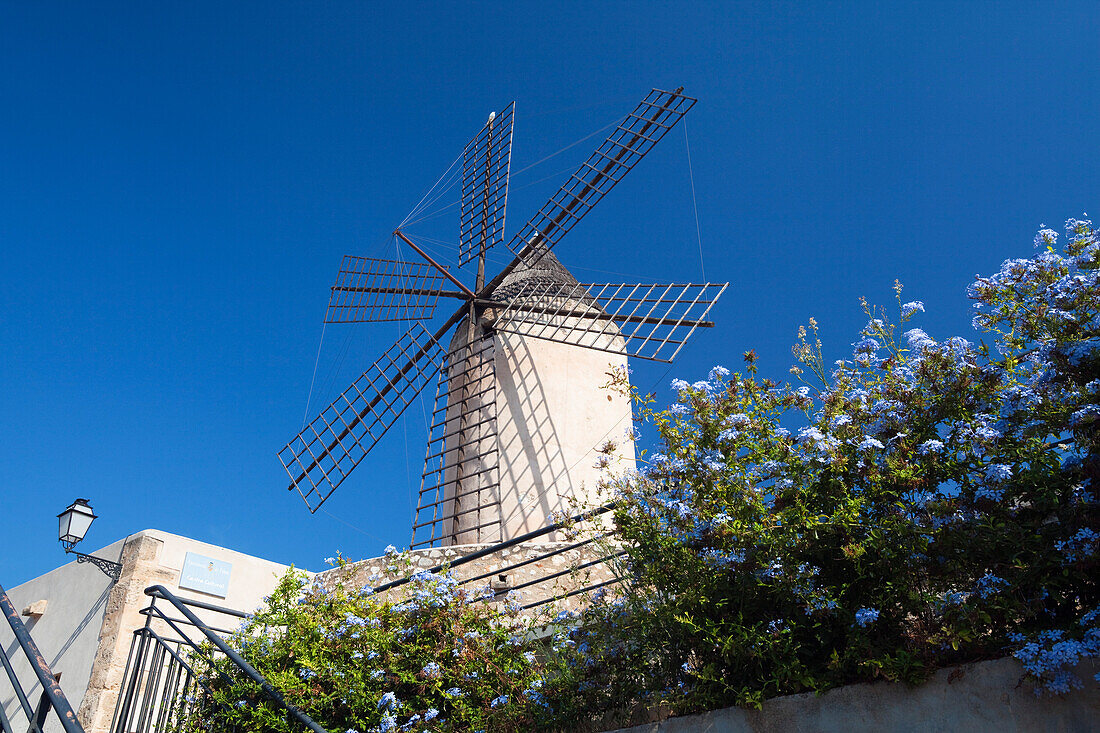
<point>558,432</point>
<point>469,447</point>
<point>554,416</point>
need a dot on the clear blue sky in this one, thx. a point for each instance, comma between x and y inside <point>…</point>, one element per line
<point>178,183</point>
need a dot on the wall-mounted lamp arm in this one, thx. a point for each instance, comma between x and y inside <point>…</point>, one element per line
<point>111,569</point>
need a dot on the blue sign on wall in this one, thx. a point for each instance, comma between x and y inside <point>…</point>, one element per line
<point>205,574</point>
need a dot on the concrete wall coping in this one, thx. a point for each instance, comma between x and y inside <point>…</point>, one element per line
<point>984,696</point>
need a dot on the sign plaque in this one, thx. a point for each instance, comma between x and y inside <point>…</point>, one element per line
<point>205,575</point>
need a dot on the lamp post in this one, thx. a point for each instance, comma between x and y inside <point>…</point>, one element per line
<point>73,524</point>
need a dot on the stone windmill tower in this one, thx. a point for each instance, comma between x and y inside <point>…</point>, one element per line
<point>515,436</point>
<point>520,415</point>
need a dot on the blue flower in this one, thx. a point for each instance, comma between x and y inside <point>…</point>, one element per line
<point>866,345</point>
<point>498,701</point>
<point>866,616</point>
<point>840,420</point>
<point>1046,237</point>
<point>389,701</point>
<point>1087,414</point>
<point>930,446</point>
<point>989,585</point>
<point>911,307</point>
<point>1079,546</point>
<point>985,492</point>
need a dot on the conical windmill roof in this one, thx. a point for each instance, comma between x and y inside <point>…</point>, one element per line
<point>543,293</point>
<point>545,269</point>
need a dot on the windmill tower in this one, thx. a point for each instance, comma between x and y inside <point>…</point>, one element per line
<point>519,410</point>
<point>514,432</point>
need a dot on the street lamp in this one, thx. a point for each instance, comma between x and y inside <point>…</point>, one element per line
<point>73,524</point>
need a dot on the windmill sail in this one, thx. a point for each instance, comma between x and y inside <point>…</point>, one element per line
<point>486,163</point>
<point>369,289</point>
<point>326,451</point>
<point>646,321</point>
<point>458,491</point>
<point>614,158</point>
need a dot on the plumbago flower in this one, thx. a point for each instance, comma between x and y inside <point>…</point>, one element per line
<point>426,656</point>
<point>850,506</point>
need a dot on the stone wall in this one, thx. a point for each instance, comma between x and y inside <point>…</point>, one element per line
<point>68,605</point>
<point>987,696</point>
<point>533,580</point>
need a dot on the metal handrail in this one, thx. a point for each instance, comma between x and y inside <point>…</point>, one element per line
<point>58,702</point>
<point>159,591</point>
<point>493,549</point>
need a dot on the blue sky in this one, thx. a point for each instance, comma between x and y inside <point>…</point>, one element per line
<point>179,183</point>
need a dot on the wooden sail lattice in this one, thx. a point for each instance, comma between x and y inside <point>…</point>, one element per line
<point>372,290</point>
<point>460,481</point>
<point>616,156</point>
<point>646,321</point>
<point>334,442</point>
<point>486,163</point>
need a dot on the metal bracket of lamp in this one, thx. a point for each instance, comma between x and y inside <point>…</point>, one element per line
<point>73,524</point>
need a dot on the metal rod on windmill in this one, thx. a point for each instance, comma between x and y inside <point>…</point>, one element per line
<point>484,465</point>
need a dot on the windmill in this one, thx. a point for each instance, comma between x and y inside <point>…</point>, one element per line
<point>524,342</point>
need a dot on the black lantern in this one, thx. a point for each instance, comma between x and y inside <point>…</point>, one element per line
<point>72,525</point>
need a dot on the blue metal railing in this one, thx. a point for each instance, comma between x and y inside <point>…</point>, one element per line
<point>52,696</point>
<point>160,671</point>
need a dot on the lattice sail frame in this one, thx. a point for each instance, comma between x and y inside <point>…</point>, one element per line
<point>486,163</point>
<point>459,489</point>
<point>646,321</point>
<point>374,290</point>
<point>338,439</point>
<point>624,148</point>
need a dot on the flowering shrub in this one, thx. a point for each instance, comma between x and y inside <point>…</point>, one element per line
<point>919,504</point>
<point>436,658</point>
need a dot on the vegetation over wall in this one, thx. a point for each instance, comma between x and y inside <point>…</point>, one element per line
<point>920,504</point>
